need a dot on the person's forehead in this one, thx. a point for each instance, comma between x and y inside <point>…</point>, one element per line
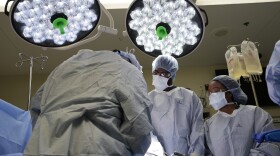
<point>161,70</point>
<point>215,85</point>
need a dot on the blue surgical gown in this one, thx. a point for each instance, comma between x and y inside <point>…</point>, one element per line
<point>15,129</point>
<point>178,121</point>
<point>273,75</point>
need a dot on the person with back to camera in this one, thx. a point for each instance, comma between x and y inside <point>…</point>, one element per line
<point>177,113</point>
<point>272,75</point>
<point>230,131</point>
<point>95,103</point>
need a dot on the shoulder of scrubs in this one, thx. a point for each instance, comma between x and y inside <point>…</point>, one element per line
<point>263,120</point>
<point>266,149</point>
<point>211,119</point>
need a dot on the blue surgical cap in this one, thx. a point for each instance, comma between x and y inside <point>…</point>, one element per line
<point>272,75</point>
<point>130,58</point>
<point>166,62</point>
<point>238,95</point>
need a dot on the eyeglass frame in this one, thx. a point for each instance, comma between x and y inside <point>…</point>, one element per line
<point>162,74</point>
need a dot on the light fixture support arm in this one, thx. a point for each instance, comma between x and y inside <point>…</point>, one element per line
<point>5,6</point>
<point>112,24</point>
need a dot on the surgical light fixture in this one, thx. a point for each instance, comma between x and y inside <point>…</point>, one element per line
<point>54,23</point>
<point>174,27</point>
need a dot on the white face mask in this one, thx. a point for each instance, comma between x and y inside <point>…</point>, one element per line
<point>217,100</point>
<point>160,82</point>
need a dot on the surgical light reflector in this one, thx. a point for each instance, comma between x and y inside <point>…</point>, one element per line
<point>157,27</point>
<point>54,23</point>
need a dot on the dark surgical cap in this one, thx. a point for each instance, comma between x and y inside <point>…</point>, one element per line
<point>130,58</point>
<point>233,86</point>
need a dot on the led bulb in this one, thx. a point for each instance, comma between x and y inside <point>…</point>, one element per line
<point>38,36</point>
<point>86,25</point>
<point>190,12</point>
<point>90,15</point>
<point>71,37</point>
<point>183,3</point>
<point>25,5</point>
<point>149,2</point>
<point>19,16</point>
<point>60,5</point>
<point>140,40</point>
<point>157,8</point>
<point>59,39</point>
<point>135,14</point>
<point>27,32</point>
<point>49,34</point>
<point>169,6</point>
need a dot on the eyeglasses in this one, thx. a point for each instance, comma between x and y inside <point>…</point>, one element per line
<point>163,74</point>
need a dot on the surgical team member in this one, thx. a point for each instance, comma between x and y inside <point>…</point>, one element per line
<point>272,75</point>
<point>94,103</point>
<point>177,112</point>
<point>230,131</point>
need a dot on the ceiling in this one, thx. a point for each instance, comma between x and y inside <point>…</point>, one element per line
<point>226,27</point>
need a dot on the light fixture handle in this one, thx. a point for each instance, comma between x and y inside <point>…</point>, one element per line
<point>6,7</point>
<point>205,15</point>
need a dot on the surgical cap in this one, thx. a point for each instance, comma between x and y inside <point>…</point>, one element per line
<point>166,62</point>
<point>130,58</point>
<point>238,95</point>
<point>272,75</point>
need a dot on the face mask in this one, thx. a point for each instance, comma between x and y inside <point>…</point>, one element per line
<point>160,82</point>
<point>217,100</point>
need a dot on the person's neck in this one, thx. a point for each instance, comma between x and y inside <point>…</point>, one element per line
<point>228,109</point>
<point>169,88</point>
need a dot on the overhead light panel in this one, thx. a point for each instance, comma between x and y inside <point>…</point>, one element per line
<point>174,27</point>
<point>54,23</point>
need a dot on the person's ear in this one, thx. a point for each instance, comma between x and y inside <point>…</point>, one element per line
<point>229,96</point>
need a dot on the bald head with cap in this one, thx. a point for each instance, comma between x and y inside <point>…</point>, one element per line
<point>166,62</point>
<point>232,85</point>
<point>130,58</point>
